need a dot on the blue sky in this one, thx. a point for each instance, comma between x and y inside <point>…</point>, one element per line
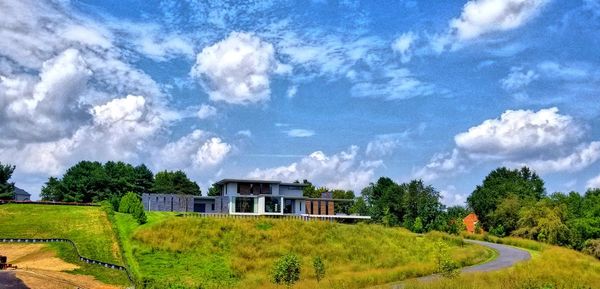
<point>337,92</point>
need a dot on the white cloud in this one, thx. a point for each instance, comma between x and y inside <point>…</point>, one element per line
<point>338,171</point>
<point>47,106</point>
<point>480,17</point>
<point>544,140</point>
<point>452,198</point>
<point>291,92</point>
<point>384,145</point>
<point>520,132</point>
<point>246,133</point>
<point>237,69</point>
<point>206,111</point>
<point>391,84</point>
<point>518,79</point>
<point>403,46</point>
<point>195,150</point>
<point>568,72</point>
<point>593,183</point>
<point>161,48</point>
<point>298,132</point>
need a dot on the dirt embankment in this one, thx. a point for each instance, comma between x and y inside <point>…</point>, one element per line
<point>39,267</point>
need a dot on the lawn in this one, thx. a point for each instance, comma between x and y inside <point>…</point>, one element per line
<point>209,253</point>
<point>88,227</point>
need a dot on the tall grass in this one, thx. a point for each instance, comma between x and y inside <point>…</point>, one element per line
<point>239,253</point>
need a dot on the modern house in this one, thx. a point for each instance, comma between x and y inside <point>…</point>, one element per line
<point>250,197</point>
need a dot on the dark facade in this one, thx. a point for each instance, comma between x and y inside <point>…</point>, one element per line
<point>183,203</point>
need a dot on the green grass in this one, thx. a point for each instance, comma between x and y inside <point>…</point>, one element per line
<point>88,227</point>
<point>550,268</point>
<point>239,253</point>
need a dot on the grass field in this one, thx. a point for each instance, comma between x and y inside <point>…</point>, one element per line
<point>88,227</point>
<point>238,253</point>
<point>550,268</point>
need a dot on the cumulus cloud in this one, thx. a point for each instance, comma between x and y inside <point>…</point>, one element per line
<point>593,183</point>
<point>118,131</point>
<point>206,111</point>
<point>38,108</point>
<point>481,17</point>
<point>291,92</point>
<point>237,69</point>
<point>197,149</point>
<point>544,140</point>
<point>383,145</point>
<point>299,132</point>
<point>518,79</point>
<point>403,46</point>
<point>342,170</point>
<point>520,132</point>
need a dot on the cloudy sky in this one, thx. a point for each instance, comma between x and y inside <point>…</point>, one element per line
<point>337,92</point>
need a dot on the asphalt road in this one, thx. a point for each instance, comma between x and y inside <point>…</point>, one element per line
<point>8,280</point>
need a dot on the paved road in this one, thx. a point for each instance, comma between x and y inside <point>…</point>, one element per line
<point>507,256</point>
<point>8,280</point>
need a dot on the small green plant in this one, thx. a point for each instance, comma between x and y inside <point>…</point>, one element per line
<point>319,268</point>
<point>498,231</point>
<point>417,227</point>
<point>286,270</point>
<point>131,204</point>
<point>478,229</point>
<point>445,265</point>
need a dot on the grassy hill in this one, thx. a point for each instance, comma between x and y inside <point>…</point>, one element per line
<point>88,227</point>
<point>239,253</point>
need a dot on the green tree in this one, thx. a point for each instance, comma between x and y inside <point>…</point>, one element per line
<point>286,270</point>
<point>214,190</point>
<point>132,204</point>
<point>445,265</point>
<point>177,182</point>
<point>7,189</point>
<point>144,179</point>
<point>417,226</point>
<point>319,268</point>
<point>545,223</point>
<point>52,190</point>
<point>343,207</point>
<point>359,207</point>
<point>507,213</point>
<point>498,185</point>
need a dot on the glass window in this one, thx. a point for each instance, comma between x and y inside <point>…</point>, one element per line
<point>244,189</point>
<point>272,205</point>
<point>288,206</point>
<point>244,205</point>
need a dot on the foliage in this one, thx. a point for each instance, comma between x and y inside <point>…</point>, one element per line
<point>131,204</point>
<point>543,223</point>
<point>592,247</point>
<point>343,207</point>
<point>501,183</point>
<point>286,270</point>
<point>7,190</point>
<point>359,207</point>
<point>445,265</point>
<point>177,182</point>
<point>319,267</point>
<point>417,226</point>
<point>214,190</point>
<point>94,182</point>
<point>88,227</point>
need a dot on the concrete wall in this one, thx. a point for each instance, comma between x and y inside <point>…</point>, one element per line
<point>168,202</point>
<point>288,191</point>
<point>231,189</point>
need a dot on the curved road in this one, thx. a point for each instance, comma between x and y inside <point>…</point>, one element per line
<point>507,256</point>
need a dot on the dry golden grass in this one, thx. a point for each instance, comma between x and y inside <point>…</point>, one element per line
<point>239,253</point>
<point>34,256</point>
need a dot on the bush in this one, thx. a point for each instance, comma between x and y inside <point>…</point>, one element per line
<point>498,231</point>
<point>592,247</point>
<point>319,267</point>
<point>417,226</point>
<point>445,265</point>
<point>131,204</point>
<point>286,270</point>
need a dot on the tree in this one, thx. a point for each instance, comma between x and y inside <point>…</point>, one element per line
<point>214,190</point>
<point>52,190</point>
<point>544,223</point>
<point>445,265</point>
<point>343,207</point>
<point>498,185</point>
<point>506,213</point>
<point>359,207</point>
<point>131,204</point>
<point>286,270</point>
<point>7,190</point>
<point>144,179</point>
<point>319,268</point>
<point>417,226</point>
<point>177,182</point>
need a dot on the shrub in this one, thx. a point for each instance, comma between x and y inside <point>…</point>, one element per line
<point>498,231</point>
<point>131,204</point>
<point>445,265</point>
<point>592,247</point>
<point>417,227</point>
<point>319,267</point>
<point>286,270</point>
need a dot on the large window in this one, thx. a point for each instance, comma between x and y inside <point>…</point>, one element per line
<point>288,206</point>
<point>272,205</point>
<point>254,189</point>
<point>244,205</point>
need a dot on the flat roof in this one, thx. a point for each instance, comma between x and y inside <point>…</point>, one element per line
<point>225,181</point>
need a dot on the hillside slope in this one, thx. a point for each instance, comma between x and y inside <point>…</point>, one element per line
<point>88,227</point>
<point>239,253</point>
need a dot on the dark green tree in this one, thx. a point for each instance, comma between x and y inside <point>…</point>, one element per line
<point>214,190</point>
<point>343,207</point>
<point>144,179</point>
<point>167,182</point>
<point>524,184</point>
<point>7,189</point>
<point>132,204</point>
